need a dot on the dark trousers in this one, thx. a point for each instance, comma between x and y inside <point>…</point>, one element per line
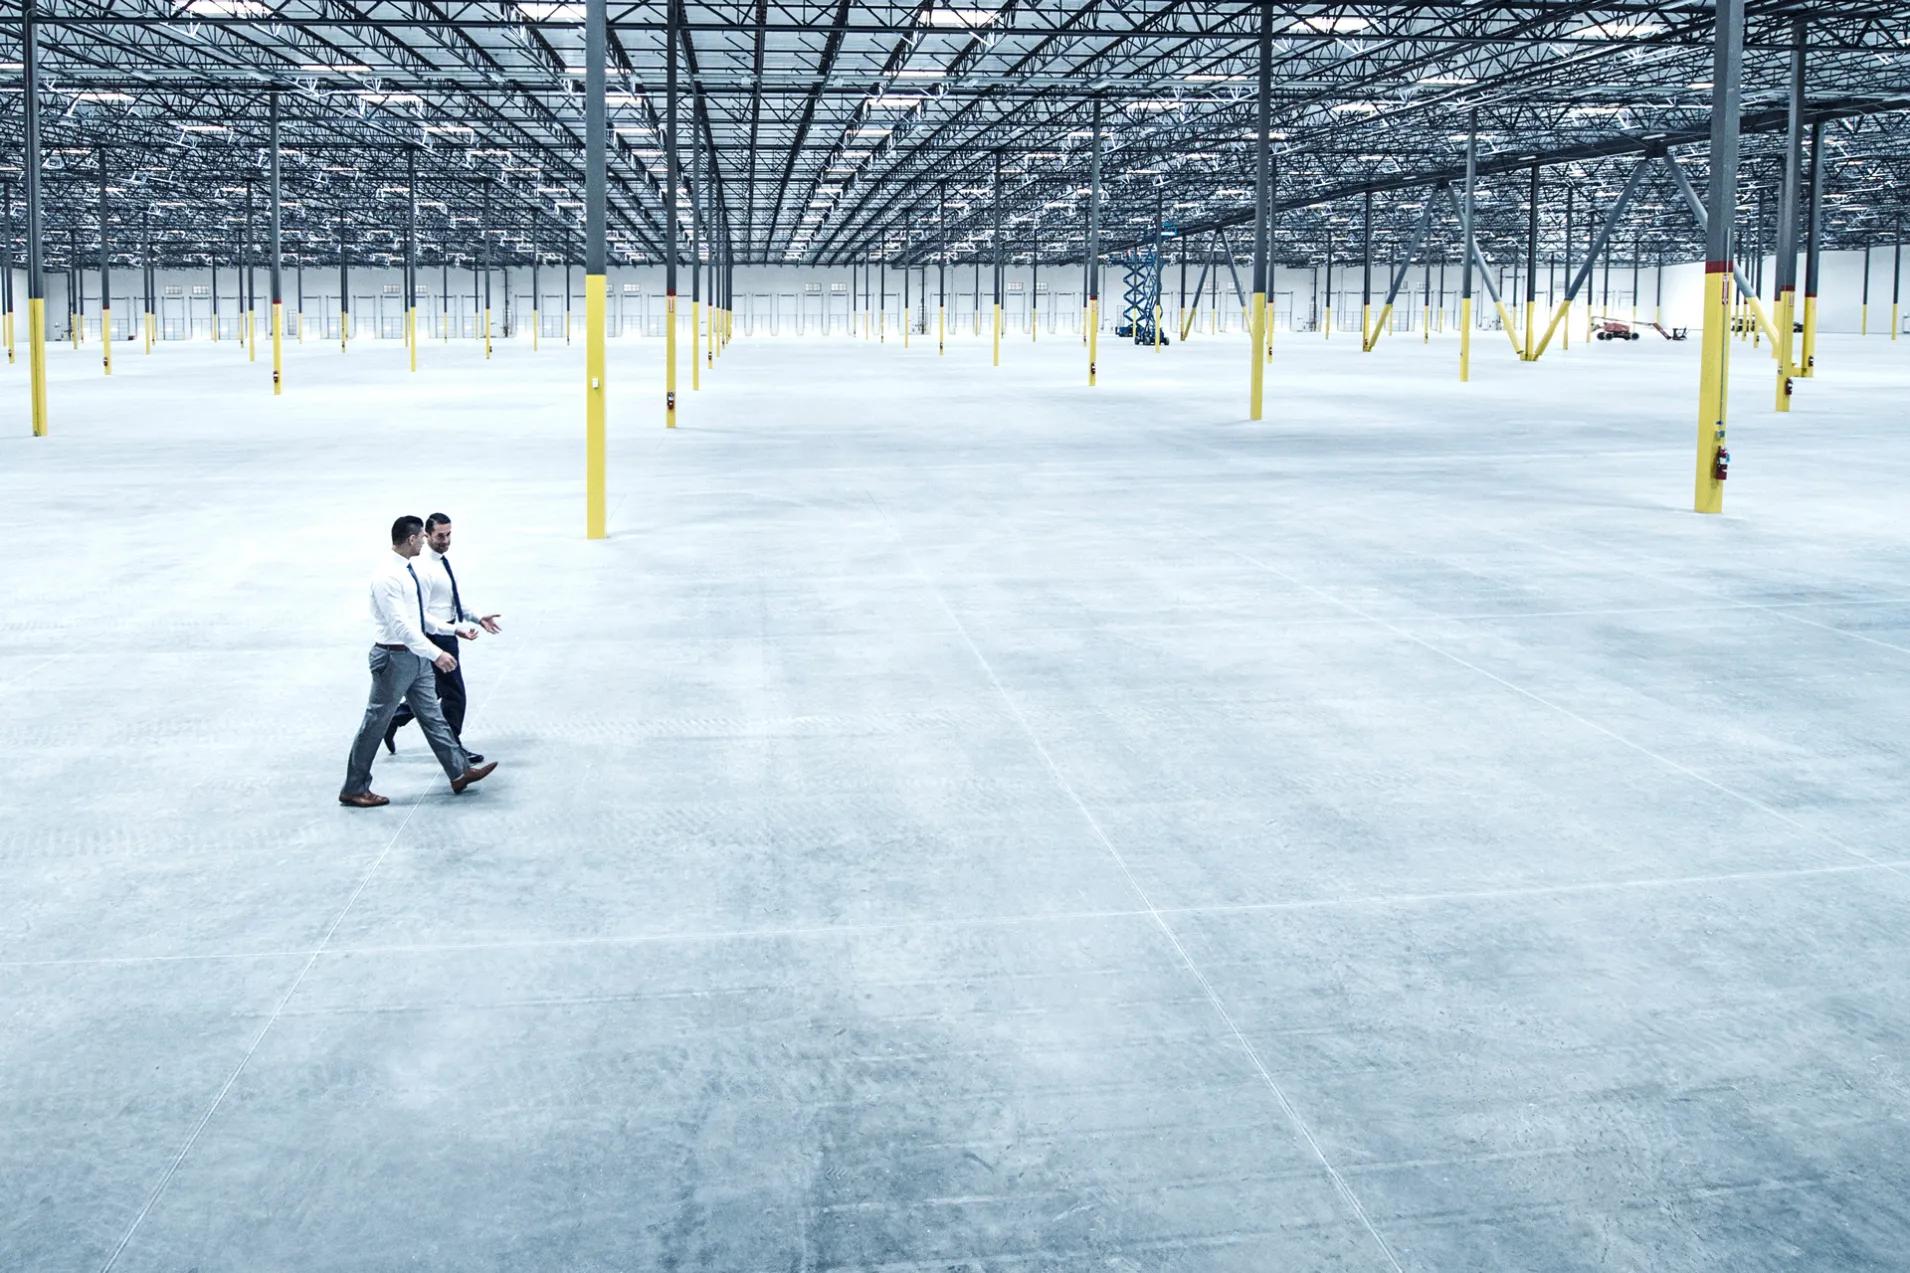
<point>450,690</point>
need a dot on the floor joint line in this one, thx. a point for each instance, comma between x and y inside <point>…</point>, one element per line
<point>1567,712</point>
<point>1272,1084</point>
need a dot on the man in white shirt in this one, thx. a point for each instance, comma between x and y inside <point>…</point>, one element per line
<point>402,664</point>
<point>445,617</point>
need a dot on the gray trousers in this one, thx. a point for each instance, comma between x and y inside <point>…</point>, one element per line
<point>401,676</point>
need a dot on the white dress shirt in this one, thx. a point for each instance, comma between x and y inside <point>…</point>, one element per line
<point>395,598</point>
<point>438,614</point>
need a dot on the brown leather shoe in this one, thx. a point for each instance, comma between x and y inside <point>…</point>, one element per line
<point>469,776</point>
<point>364,800</point>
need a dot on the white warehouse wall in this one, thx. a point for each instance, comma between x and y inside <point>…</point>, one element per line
<point>791,300</point>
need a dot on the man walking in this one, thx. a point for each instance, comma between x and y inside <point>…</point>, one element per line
<point>445,615</point>
<point>402,661</point>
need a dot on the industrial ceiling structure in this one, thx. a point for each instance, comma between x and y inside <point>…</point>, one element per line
<point>821,133</point>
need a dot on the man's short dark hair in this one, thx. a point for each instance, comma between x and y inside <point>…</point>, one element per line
<point>404,528</point>
<point>436,520</point>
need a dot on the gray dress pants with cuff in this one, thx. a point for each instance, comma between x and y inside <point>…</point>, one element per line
<point>399,676</point>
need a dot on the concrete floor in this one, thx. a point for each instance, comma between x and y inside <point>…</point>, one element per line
<point>962,820</point>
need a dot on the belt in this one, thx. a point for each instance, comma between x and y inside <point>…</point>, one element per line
<point>381,645</point>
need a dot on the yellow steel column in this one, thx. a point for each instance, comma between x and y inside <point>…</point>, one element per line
<point>594,289</point>
<point>9,336</point>
<point>997,338</point>
<point>106,338</point>
<point>1807,367</point>
<point>1326,327</point>
<point>1465,339</point>
<point>1558,321</point>
<point>596,263</point>
<point>1713,379</point>
<point>941,331</point>
<point>696,345</point>
<point>1094,337</point>
<point>36,360</point>
<point>1863,326</point>
<point>1257,376</point>
<point>537,331</point>
<point>1157,326</point>
<point>1377,329</point>
<point>411,334</point>
<point>1785,349</point>
<point>487,331</point>
<point>1715,334</point>
<point>669,360</point>
<point>1366,326</point>
<point>278,348</point>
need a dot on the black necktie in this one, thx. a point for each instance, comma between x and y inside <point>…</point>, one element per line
<point>420,591</point>
<point>457,607</point>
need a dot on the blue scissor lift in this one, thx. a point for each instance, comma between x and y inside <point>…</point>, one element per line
<point>1141,290</point>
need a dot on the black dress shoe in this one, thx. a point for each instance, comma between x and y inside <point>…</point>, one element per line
<point>474,758</point>
<point>391,746</point>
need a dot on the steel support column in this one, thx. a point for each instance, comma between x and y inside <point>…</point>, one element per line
<point>596,137</point>
<point>411,258</point>
<point>997,256</point>
<point>1326,320</point>
<point>941,274</point>
<point>105,271</point>
<point>1034,276</point>
<point>249,281</point>
<point>1813,232</point>
<point>1727,59</point>
<point>1896,278</point>
<point>696,251</point>
<point>344,287</point>
<point>1863,304</point>
<point>1094,246</point>
<point>275,269</point>
<point>1273,219</point>
<point>36,257</point>
<point>1529,351</point>
<point>1469,247</point>
<point>484,252</point>
<point>1788,214</point>
<point>1366,276</point>
<point>1565,335</point>
<point>673,179</point>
